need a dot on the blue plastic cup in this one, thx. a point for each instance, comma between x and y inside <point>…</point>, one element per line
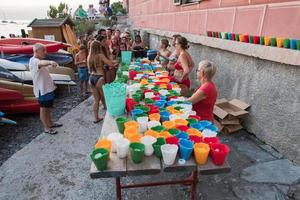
<point>171,103</point>
<point>182,135</point>
<point>126,56</point>
<point>293,44</point>
<point>185,149</point>
<point>212,128</point>
<point>198,126</point>
<point>135,113</point>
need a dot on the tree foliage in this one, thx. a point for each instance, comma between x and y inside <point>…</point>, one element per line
<point>58,12</point>
<point>84,26</point>
<point>118,7</point>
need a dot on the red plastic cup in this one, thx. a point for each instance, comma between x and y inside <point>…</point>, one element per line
<point>132,74</point>
<point>130,103</point>
<point>172,140</point>
<point>172,97</point>
<point>155,98</point>
<point>256,39</point>
<point>216,34</point>
<point>195,139</point>
<point>195,117</point>
<point>233,36</point>
<point>246,38</point>
<point>182,128</point>
<point>209,33</point>
<point>211,140</point>
<point>169,87</point>
<point>145,91</point>
<point>219,153</point>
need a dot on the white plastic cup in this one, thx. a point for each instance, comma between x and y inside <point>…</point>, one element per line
<point>169,152</point>
<point>122,147</point>
<point>149,95</point>
<point>114,137</point>
<point>163,92</point>
<point>192,112</point>
<point>153,124</point>
<point>208,133</point>
<point>178,90</point>
<point>173,117</point>
<point>143,124</point>
<point>148,140</point>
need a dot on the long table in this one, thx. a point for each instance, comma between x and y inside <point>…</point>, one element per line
<point>151,165</point>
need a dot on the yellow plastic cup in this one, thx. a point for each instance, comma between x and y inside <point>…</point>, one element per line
<point>151,133</point>
<point>279,42</point>
<point>267,41</point>
<point>169,124</point>
<point>129,132</point>
<point>104,143</point>
<point>135,138</point>
<point>181,122</point>
<point>201,151</point>
<point>131,124</point>
<point>193,131</point>
<point>164,134</point>
<point>154,117</point>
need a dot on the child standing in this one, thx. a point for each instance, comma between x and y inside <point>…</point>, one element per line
<point>80,62</point>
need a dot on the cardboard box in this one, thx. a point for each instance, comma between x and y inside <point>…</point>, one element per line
<point>230,109</point>
<point>232,128</point>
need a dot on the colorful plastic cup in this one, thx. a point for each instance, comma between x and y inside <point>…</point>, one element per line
<point>192,121</point>
<point>182,128</point>
<point>182,135</point>
<point>164,134</point>
<point>114,137</point>
<point>298,44</point>
<point>233,36</point>
<point>137,151</point>
<point>201,151</point>
<point>211,140</point>
<point>156,146</point>
<point>219,153</point>
<point>120,123</point>
<point>195,117</point>
<point>286,43</point>
<point>193,131</point>
<point>135,138</point>
<point>151,133</point>
<point>169,124</point>
<point>104,143</point>
<point>136,112</point>
<point>209,133</point>
<point>174,131</point>
<point>237,37</point>
<point>262,40</point>
<point>129,132</point>
<point>154,117</point>
<point>293,44</point>
<point>100,158</point>
<point>195,139</point>
<point>148,141</point>
<point>185,148</point>
<point>181,122</point>
<point>169,152</point>
<point>256,39</point>
<point>212,128</point>
<point>152,124</point>
<point>172,140</point>
<point>158,128</point>
<point>267,41</point>
<point>137,97</point>
<point>143,124</point>
<point>273,42</point>
<point>251,39</point>
<point>131,124</point>
<point>279,42</point>
<point>122,147</point>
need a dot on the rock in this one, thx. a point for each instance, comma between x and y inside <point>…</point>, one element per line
<point>272,151</point>
<point>294,192</point>
<point>278,171</point>
<point>251,191</point>
<point>283,188</point>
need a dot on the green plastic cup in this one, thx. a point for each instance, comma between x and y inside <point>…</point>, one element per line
<point>298,44</point>
<point>158,128</point>
<point>120,123</point>
<point>137,152</point>
<point>237,37</point>
<point>157,145</point>
<point>286,43</point>
<point>100,158</point>
<point>251,39</point>
<point>173,131</point>
<point>213,34</point>
<point>178,108</point>
<point>262,40</point>
<point>136,97</point>
<point>273,42</point>
<point>149,101</point>
<point>145,109</point>
<point>192,121</point>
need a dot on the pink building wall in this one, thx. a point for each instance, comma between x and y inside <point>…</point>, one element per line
<point>279,18</point>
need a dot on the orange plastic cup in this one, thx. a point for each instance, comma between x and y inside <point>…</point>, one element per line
<point>181,122</point>
<point>163,86</point>
<point>154,117</point>
<point>267,41</point>
<point>169,124</point>
<point>135,138</point>
<point>129,132</point>
<point>164,134</point>
<point>279,42</point>
<point>151,133</point>
<point>201,151</point>
<point>104,143</point>
<point>193,131</point>
<point>131,124</point>
<point>242,38</point>
<point>170,108</point>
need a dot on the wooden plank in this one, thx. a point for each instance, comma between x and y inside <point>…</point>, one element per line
<point>189,165</point>
<point>150,165</point>
<point>210,168</point>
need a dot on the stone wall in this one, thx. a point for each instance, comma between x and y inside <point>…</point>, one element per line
<point>272,89</point>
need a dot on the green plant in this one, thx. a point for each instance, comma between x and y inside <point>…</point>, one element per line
<point>84,26</point>
<point>58,12</point>
<point>118,7</point>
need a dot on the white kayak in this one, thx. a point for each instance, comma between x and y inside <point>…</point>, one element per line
<point>12,66</point>
<point>26,76</point>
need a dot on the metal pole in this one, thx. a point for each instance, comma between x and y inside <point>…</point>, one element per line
<point>118,189</point>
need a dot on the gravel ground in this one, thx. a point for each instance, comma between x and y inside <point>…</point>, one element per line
<point>14,138</point>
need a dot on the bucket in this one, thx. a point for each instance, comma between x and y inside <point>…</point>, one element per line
<point>137,151</point>
<point>114,137</point>
<point>209,33</point>
<point>181,122</point>
<point>185,149</point>
<point>201,151</point>
<point>267,41</point>
<point>135,138</point>
<point>104,143</point>
<point>120,123</point>
<point>237,37</point>
<point>115,98</point>
<point>122,147</point>
<point>136,112</point>
<point>279,42</point>
<point>100,158</point>
<point>182,128</point>
<point>126,57</point>
<point>219,153</point>
<point>192,121</point>
<point>286,43</point>
<point>169,152</point>
<point>212,128</point>
<point>251,39</point>
<point>156,146</point>
<point>148,141</point>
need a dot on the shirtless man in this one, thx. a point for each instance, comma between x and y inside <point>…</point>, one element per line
<point>80,62</point>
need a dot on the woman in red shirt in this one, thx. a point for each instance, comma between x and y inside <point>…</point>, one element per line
<point>205,96</point>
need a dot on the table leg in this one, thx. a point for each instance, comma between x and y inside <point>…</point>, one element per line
<point>118,188</point>
<point>194,185</point>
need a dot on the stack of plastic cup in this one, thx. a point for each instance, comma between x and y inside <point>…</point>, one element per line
<point>122,147</point>
<point>201,151</point>
<point>114,137</point>
<point>104,143</point>
<point>169,152</point>
<point>100,158</point>
<point>185,148</point>
<point>152,124</point>
<point>143,123</point>
<point>156,146</point>
<point>148,141</point>
<point>137,151</point>
<point>219,153</point>
<point>120,123</point>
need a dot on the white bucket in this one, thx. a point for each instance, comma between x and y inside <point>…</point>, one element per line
<point>169,152</point>
<point>114,137</point>
<point>148,141</point>
<point>122,147</point>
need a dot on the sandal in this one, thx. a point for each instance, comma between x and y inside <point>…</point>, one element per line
<point>98,120</point>
<point>56,125</point>
<point>51,131</point>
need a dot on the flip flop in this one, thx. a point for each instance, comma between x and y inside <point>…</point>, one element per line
<point>51,132</point>
<point>97,121</point>
<point>56,125</point>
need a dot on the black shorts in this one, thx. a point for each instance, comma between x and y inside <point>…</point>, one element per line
<point>47,100</point>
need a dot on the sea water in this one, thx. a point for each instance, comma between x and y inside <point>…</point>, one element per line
<point>13,28</point>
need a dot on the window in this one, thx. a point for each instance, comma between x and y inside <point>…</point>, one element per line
<point>181,2</point>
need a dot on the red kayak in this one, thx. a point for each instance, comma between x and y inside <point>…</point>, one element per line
<point>10,95</point>
<point>29,41</point>
<point>23,106</point>
<point>28,49</point>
